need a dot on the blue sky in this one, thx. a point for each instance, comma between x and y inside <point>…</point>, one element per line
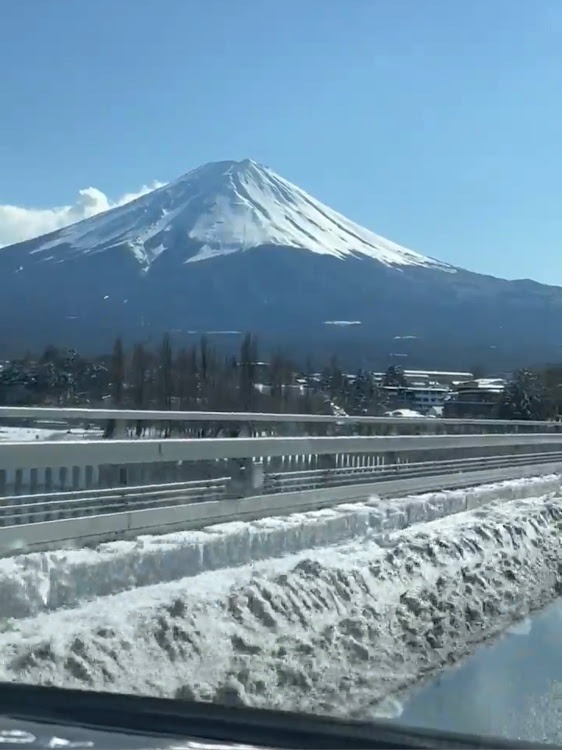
<point>436,123</point>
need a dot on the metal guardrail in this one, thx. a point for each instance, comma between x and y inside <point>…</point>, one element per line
<point>81,453</point>
<point>307,480</point>
<point>99,489</point>
<point>43,468</point>
<point>63,505</point>
<point>131,415</point>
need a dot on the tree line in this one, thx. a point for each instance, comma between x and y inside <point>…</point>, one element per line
<point>532,394</point>
<point>195,378</point>
<point>202,378</point>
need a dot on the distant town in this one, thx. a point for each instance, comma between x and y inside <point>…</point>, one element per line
<point>436,393</point>
<point>202,377</point>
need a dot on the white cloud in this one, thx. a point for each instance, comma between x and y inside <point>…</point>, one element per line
<point>18,223</point>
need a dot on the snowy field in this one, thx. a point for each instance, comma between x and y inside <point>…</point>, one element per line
<point>334,611</point>
<point>23,434</point>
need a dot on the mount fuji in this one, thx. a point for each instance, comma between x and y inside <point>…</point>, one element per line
<point>231,247</point>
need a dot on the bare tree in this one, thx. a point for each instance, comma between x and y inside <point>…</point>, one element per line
<point>117,381</point>
<point>248,370</point>
<point>117,373</point>
<point>186,379</point>
<point>139,380</point>
<point>166,378</point>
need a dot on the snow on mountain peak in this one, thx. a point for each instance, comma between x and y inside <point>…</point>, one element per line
<point>222,208</point>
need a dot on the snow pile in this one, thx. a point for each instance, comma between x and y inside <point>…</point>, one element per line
<point>225,207</point>
<point>333,630</point>
<point>46,581</point>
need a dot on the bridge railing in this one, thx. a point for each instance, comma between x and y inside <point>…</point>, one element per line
<point>53,493</point>
<point>44,481</point>
<point>160,423</point>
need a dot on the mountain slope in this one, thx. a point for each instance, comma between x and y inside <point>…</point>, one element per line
<point>232,247</point>
<point>223,207</point>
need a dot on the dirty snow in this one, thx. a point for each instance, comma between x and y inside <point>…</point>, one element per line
<point>381,600</point>
<point>43,581</point>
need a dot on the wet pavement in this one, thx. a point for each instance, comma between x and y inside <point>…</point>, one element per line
<point>511,687</point>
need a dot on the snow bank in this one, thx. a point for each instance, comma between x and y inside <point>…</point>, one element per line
<point>46,581</point>
<point>334,630</point>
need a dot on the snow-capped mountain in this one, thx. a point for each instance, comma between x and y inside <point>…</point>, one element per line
<point>225,207</point>
<point>231,247</point>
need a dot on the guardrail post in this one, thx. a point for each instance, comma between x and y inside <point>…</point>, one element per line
<point>115,428</point>
<point>246,477</point>
<point>10,481</point>
<point>326,462</point>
